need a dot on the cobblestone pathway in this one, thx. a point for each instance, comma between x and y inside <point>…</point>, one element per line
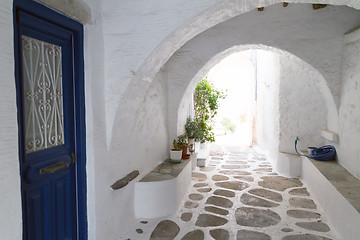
<point>238,196</point>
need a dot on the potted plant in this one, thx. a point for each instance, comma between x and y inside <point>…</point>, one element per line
<point>175,152</point>
<point>182,142</point>
<point>191,130</point>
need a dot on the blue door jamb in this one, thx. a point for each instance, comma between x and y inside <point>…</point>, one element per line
<point>45,13</point>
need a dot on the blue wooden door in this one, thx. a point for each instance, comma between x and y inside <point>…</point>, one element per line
<point>46,80</point>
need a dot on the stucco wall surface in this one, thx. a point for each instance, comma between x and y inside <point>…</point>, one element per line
<point>349,112</point>
<point>267,105</point>
<point>10,200</point>
<point>302,108</point>
<point>140,37</point>
<point>315,37</point>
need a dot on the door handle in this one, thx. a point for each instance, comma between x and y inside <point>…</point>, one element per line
<point>53,168</point>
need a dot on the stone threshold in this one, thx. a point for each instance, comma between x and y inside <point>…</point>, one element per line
<point>341,179</point>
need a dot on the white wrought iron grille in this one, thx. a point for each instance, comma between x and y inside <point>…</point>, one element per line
<point>42,77</point>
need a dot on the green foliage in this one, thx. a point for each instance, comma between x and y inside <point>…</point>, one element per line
<point>182,140</point>
<point>191,128</point>
<point>206,103</point>
<point>228,124</point>
<point>176,146</point>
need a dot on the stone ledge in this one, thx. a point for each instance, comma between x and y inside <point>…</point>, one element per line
<point>342,180</point>
<point>323,186</point>
<point>165,171</point>
<point>125,180</point>
<point>160,192</point>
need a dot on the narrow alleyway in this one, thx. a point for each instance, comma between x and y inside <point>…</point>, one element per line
<point>238,196</point>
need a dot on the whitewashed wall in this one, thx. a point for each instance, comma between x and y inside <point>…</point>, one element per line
<point>267,105</point>
<point>127,43</point>
<point>10,200</point>
<point>302,108</point>
<point>349,112</point>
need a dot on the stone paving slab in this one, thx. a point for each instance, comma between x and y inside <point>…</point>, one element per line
<point>227,202</point>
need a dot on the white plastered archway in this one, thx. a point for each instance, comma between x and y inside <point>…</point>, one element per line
<point>180,104</point>
<point>217,14</point>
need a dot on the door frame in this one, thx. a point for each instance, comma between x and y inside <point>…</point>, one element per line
<point>43,12</point>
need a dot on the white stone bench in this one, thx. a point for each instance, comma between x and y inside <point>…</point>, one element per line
<point>337,191</point>
<point>160,192</point>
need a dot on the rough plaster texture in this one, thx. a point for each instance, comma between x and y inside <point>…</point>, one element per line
<point>302,108</point>
<point>301,37</point>
<point>10,200</point>
<point>349,112</point>
<point>126,45</point>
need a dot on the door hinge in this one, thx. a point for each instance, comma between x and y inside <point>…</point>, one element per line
<point>73,158</point>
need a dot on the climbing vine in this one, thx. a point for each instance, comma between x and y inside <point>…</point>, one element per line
<point>206,104</point>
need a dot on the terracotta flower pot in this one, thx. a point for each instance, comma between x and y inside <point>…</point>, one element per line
<point>184,149</point>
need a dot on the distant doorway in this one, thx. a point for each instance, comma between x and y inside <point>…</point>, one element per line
<point>235,120</point>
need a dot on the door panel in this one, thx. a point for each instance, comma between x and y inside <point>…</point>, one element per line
<point>46,103</point>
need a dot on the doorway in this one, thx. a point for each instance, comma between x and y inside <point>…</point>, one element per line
<point>50,100</point>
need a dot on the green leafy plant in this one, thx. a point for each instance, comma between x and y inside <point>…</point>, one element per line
<point>182,140</point>
<point>228,124</point>
<point>191,128</point>
<point>176,146</point>
<point>206,104</point>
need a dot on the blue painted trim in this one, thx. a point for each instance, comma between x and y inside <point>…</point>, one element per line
<point>76,28</point>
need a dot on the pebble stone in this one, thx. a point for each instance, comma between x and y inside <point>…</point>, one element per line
<point>186,216</point>
<point>253,217</point>
<point>279,183</point>
<point>306,236</point>
<point>216,210</point>
<point>206,214</point>
<point>235,166</point>
<point>225,193</point>
<point>200,185</point>
<point>315,226</point>
<point>194,235</point>
<point>219,201</point>
<point>191,205</point>
<point>139,230</point>
<point>236,162</point>
<point>207,169</point>
<point>245,178</point>
<point>208,220</point>
<point>144,222</point>
<point>219,178</point>
<point>199,176</point>
<point>266,194</point>
<point>302,214</point>
<point>302,203</point>
<point>196,196</point>
<point>204,189</point>
<point>250,200</point>
<point>234,172</point>
<point>166,229</point>
<point>299,192</point>
<point>233,185</point>
<point>253,235</point>
<point>219,234</point>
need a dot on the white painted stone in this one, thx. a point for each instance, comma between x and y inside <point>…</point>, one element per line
<point>329,135</point>
<point>127,91</point>
<point>161,198</point>
<point>349,111</point>
<point>202,157</point>
<point>339,212</point>
<point>10,200</point>
<point>288,165</point>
